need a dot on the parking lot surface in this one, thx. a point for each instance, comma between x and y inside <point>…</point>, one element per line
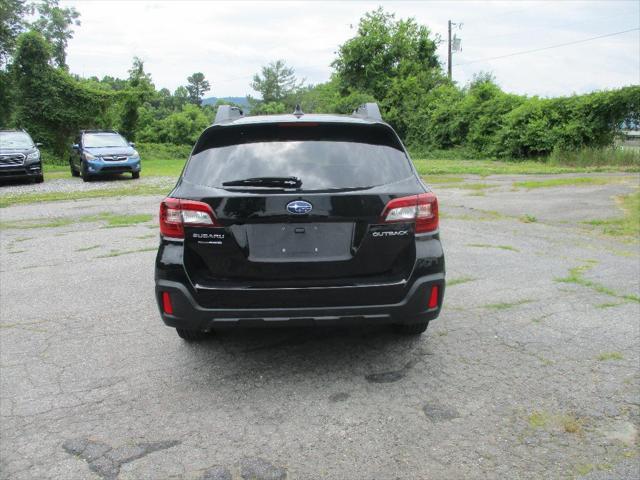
<point>531,371</point>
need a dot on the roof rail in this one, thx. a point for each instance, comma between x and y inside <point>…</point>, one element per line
<point>227,113</point>
<point>370,111</point>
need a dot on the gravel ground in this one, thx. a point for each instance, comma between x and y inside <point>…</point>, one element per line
<point>521,377</point>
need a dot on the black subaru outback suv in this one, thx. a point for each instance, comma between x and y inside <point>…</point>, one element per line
<point>299,220</point>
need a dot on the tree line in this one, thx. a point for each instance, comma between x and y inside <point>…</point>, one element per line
<point>388,60</point>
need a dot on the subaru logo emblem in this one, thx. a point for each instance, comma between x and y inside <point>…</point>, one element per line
<point>299,207</point>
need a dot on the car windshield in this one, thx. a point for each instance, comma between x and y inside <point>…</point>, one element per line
<point>15,140</point>
<point>93,140</point>
<point>322,158</point>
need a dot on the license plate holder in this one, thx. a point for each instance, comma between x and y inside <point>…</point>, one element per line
<point>300,242</point>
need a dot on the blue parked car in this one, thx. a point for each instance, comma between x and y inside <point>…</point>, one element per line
<point>97,152</point>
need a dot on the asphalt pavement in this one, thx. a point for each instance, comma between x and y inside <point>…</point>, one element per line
<point>531,371</point>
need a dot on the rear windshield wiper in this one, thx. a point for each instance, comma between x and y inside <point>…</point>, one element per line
<point>269,182</point>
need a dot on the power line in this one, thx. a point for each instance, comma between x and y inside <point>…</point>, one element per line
<point>473,39</point>
<point>524,52</point>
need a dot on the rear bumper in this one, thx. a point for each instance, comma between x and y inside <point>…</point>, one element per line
<point>188,314</point>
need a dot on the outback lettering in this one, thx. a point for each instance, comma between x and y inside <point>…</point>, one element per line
<point>393,233</point>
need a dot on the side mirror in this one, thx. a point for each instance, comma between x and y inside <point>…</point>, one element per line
<point>75,146</point>
<point>133,145</point>
<point>38,144</point>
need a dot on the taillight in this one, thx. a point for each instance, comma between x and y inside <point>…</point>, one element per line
<point>421,209</point>
<point>167,307</point>
<point>175,213</point>
<point>433,297</point>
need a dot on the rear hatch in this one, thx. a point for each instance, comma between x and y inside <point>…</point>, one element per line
<point>298,204</point>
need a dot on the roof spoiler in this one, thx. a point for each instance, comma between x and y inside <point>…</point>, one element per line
<point>369,111</point>
<point>227,113</point>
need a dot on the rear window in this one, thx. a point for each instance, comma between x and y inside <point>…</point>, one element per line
<point>324,157</point>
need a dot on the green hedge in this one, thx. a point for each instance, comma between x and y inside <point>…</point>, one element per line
<point>163,151</point>
<point>491,123</point>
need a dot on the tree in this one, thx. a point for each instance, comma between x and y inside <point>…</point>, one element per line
<point>55,25</point>
<point>179,128</point>
<point>116,84</point>
<point>385,49</point>
<point>50,102</point>
<point>327,98</point>
<point>180,97</point>
<point>137,76</point>
<point>276,82</point>
<point>12,13</point>
<point>139,89</point>
<point>197,87</point>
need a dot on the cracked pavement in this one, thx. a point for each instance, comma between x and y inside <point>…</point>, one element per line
<point>521,377</point>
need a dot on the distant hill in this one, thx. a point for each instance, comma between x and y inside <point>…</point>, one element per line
<point>238,100</point>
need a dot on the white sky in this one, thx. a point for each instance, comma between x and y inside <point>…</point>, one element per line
<point>229,41</point>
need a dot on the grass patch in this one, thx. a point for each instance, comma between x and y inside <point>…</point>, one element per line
<point>506,306</point>
<point>585,468</point>
<point>576,277</point>
<point>138,189</point>
<point>37,223</point>
<point>111,219</point>
<point>538,419</point>
<point>605,356</point>
<point>526,218</point>
<point>484,215</point>
<point>590,157</point>
<point>117,253</point>
<point>609,304</point>
<point>629,224</point>
<point>477,187</point>
<point>439,179</point>
<point>85,249</point>
<point>473,186</point>
<point>491,215</point>
<point>114,220</point>
<point>575,182</point>
<point>567,423</point>
<point>571,424</point>
<point>440,166</point>
<point>459,281</point>
<point>487,245</point>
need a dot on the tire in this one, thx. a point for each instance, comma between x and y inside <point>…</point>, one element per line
<point>85,175</point>
<point>191,335</point>
<point>39,179</point>
<point>412,328</point>
<point>135,175</point>
<point>74,172</point>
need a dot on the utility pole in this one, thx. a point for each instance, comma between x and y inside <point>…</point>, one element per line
<point>449,51</point>
<point>453,45</point>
